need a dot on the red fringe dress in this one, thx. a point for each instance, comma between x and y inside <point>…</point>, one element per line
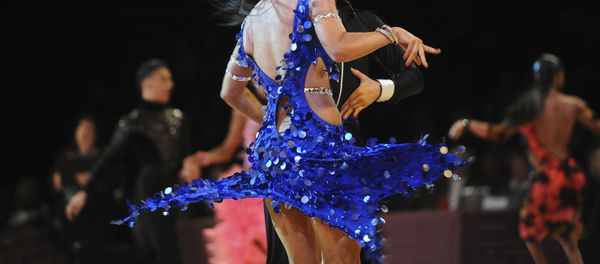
<point>553,207</point>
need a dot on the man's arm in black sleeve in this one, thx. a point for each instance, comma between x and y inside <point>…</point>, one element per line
<point>186,137</point>
<point>119,145</point>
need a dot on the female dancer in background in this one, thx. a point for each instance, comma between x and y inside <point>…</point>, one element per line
<point>239,234</point>
<point>304,163</point>
<point>545,116</point>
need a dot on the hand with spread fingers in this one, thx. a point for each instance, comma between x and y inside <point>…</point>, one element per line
<point>414,49</point>
<point>457,129</point>
<point>367,92</point>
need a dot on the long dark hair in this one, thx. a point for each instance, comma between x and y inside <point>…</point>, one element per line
<point>530,105</point>
<point>232,12</point>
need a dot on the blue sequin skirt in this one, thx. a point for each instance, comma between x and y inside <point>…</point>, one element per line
<point>344,191</point>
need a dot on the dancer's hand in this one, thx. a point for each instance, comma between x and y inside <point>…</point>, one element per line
<point>191,169</point>
<point>206,158</point>
<point>75,205</point>
<point>457,129</point>
<point>367,92</point>
<point>414,49</point>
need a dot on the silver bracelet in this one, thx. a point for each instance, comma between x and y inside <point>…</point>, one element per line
<point>386,34</point>
<point>326,15</point>
<point>391,31</point>
<point>237,78</point>
<point>318,90</point>
<point>238,62</point>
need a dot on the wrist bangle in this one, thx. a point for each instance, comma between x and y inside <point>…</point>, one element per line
<point>237,78</point>
<point>391,31</point>
<point>465,122</point>
<point>386,34</point>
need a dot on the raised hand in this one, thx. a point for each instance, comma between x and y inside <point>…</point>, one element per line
<point>414,49</point>
<point>457,129</point>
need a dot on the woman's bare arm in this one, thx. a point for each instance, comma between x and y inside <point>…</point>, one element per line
<point>234,135</point>
<point>226,150</point>
<point>586,118</point>
<point>237,95</point>
<point>481,129</point>
<point>343,46</point>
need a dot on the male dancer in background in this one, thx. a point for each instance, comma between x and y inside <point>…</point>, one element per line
<point>357,91</point>
<point>158,137</point>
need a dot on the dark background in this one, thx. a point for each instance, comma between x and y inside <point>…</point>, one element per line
<point>64,59</point>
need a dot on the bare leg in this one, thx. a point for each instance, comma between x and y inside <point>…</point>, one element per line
<point>296,233</point>
<point>535,249</point>
<point>572,251</point>
<point>335,246</point>
<point>309,240</point>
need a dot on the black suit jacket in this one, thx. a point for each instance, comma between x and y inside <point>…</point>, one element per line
<point>385,63</point>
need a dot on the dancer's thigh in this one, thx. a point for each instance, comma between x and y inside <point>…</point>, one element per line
<point>296,233</point>
<point>335,245</point>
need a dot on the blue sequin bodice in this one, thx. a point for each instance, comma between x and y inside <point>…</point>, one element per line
<point>304,51</point>
<point>313,165</point>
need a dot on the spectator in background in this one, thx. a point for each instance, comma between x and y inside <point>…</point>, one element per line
<point>28,203</point>
<point>72,170</point>
<point>85,238</point>
<point>158,138</point>
<point>28,237</point>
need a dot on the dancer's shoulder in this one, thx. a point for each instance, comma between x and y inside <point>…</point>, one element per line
<point>572,100</point>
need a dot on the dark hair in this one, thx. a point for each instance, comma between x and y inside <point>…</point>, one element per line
<point>530,105</point>
<point>88,117</point>
<point>232,12</point>
<point>147,68</point>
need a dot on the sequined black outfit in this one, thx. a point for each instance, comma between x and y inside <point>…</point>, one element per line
<point>159,138</point>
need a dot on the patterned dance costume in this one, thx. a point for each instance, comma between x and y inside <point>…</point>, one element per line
<point>555,200</point>
<point>313,165</point>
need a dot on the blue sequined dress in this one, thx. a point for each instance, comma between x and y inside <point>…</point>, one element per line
<point>313,165</point>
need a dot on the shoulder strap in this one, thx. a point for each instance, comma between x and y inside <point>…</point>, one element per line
<point>242,57</point>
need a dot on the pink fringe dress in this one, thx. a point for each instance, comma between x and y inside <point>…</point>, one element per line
<point>239,235</point>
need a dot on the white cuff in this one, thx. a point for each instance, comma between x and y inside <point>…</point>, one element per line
<point>387,89</point>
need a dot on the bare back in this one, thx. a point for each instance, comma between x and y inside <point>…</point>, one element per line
<point>555,125</point>
<point>266,39</point>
